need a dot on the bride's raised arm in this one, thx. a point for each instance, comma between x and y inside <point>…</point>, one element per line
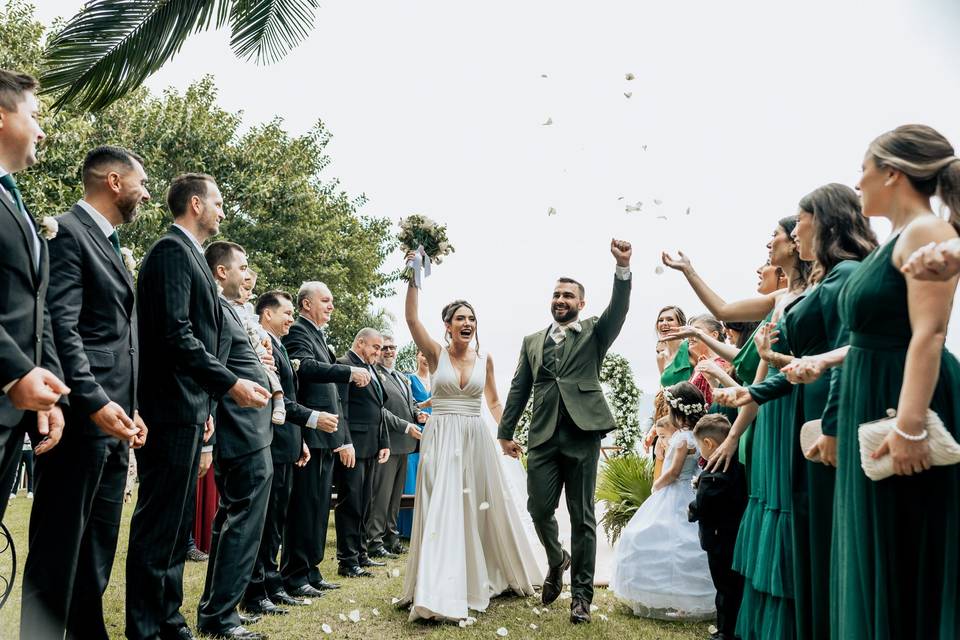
<point>490,392</point>
<point>429,347</point>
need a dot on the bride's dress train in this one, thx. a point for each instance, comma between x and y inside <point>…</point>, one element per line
<point>468,542</point>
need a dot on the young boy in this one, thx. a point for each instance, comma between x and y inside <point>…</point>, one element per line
<point>721,499</point>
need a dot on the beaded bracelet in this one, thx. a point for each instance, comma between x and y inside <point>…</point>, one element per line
<point>907,436</point>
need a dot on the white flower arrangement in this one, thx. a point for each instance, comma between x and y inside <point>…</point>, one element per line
<point>685,409</point>
<point>49,227</point>
<point>295,363</point>
<point>126,254</point>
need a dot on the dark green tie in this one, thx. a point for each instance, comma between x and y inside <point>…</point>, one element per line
<point>283,350</point>
<point>115,241</point>
<point>11,185</point>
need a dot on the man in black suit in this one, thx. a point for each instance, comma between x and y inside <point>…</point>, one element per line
<point>305,537</point>
<point>266,589</point>
<point>242,463</point>
<point>383,537</point>
<point>30,375</point>
<point>180,320</point>
<point>366,420</point>
<point>78,494</point>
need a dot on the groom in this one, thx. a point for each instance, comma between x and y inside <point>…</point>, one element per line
<point>561,365</point>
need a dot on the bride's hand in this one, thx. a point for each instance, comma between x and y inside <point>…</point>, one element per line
<point>511,448</point>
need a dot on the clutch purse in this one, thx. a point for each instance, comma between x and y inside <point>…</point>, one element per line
<point>944,449</point>
<point>809,433</point>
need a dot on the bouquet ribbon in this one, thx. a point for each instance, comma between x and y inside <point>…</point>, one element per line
<point>420,265</point>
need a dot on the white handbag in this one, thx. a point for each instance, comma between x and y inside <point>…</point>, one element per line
<point>944,449</point>
<point>809,433</point>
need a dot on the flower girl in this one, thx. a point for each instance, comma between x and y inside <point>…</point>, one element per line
<point>659,568</point>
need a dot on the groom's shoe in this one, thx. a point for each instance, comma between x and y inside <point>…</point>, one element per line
<point>553,583</point>
<point>579,610</point>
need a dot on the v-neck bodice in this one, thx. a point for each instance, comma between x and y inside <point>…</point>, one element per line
<point>448,396</point>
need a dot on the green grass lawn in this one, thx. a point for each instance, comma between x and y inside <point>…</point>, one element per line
<point>372,597</point>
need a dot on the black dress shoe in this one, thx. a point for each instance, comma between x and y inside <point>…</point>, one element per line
<point>579,611</point>
<point>249,619</point>
<point>180,633</point>
<point>354,572</point>
<point>382,553</point>
<point>397,548</point>
<point>367,562</point>
<point>323,585</point>
<point>263,606</point>
<point>195,555</point>
<point>236,633</point>
<point>284,598</point>
<point>553,583</point>
<point>305,591</point>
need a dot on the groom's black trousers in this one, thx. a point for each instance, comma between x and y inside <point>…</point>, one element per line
<point>566,462</point>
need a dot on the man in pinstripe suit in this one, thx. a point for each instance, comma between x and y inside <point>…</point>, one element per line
<point>182,379</point>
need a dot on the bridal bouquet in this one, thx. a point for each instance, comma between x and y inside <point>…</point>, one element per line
<point>428,240</point>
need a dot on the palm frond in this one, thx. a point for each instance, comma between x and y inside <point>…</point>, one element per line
<point>266,30</point>
<point>624,483</point>
<point>112,46</point>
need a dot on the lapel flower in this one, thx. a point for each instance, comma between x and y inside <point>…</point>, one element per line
<point>128,260</point>
<point>295,363</point>
<point>49,227</point>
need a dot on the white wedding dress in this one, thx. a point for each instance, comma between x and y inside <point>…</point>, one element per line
<point>659,568</point>
<point>468,541</point>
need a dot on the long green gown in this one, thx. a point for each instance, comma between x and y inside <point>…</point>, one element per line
<point>896,542</point>
<point>745,365</point>
<point>764,542</point>
<point>812,326</point>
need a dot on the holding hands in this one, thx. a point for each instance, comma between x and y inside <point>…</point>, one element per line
<point>732,397</point>
<point>934,261</point>
<point>511,448</point>
<point>804,370</point>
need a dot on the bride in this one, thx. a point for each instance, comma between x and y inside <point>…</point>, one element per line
<point>468,542</point>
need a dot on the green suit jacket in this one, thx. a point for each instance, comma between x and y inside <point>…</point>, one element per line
<point>578,376</point>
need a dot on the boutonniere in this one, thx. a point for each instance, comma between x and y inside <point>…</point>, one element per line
<point>49,227</point>
<point>128,260</point>
<point>295,363</point>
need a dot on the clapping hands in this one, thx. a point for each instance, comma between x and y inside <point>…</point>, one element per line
<point>805,370</point>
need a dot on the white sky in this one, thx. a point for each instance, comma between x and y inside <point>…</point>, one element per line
<point>436,108</point>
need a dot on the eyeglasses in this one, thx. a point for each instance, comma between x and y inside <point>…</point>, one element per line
<point>388,348</point>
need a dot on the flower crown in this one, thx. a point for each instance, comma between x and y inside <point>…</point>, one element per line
<point>685,409</point>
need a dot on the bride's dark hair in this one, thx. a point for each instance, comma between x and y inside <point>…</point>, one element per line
<point>447,315</point>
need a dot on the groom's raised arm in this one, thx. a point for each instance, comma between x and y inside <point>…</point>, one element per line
<point>517,398</point>
<point>611,320</point>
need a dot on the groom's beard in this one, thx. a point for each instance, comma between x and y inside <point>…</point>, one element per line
<point>564,315</point>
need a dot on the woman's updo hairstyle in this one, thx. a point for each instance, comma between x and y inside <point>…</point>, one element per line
<point>447,314</point>
<point>927,159</point>
<point>681,316</point>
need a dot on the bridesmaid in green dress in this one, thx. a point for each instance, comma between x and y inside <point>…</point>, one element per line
<point>673,358</point>
<point>896,542</point>
<point>832,233</point>
<point>763,547</point>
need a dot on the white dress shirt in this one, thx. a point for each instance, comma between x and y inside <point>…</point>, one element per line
<point>98,217</point>
<point>192,237</point>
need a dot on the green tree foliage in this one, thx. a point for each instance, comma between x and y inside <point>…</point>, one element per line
<point>407,358</point>
<point>296,223</point>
